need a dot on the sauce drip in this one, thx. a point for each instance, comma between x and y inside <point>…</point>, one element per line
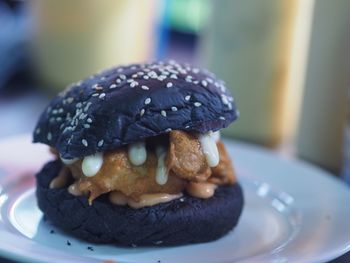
<point>61,180</point>
<point>161,170</point>
<point>137,153</point>
<point>92,164</point>
<point>74,190</point>
<point>210,149</point>
<point>118,198</point>
<point>201,190</point>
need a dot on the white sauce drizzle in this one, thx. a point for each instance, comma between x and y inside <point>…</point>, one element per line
<point>161,170</point>
<point>68,161</point>
<point>137,153</point>
<point>92,164</point>
<point>215,135</point>
<point>209,148</point>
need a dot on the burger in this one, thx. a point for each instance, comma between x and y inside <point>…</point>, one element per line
<point>138,157</point>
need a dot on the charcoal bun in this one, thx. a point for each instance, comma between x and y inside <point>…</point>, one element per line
<point>181,221</point>
<point>125,104</point>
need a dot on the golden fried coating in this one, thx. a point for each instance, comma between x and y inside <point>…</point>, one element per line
<point>117,173</point>
<point>185,163</point>
<point>185,157</point>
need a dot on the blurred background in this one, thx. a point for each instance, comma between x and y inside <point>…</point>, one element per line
<point>286,62</point>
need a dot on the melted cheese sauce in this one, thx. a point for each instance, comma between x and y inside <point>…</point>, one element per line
<point>201,190</point>
<point>161,170</point>
<point>118,198</point>
<point>92,164</point>
<point>137,153</point>
<point>209,148</point>
<point>73,190</point>
<point>61,180</point>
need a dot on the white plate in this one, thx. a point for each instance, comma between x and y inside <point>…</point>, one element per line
<point>293,212</point>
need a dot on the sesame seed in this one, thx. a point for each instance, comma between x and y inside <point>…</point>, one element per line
<point>163,112</point>
<point>122,76</point>
<point>113,86</point>
<point>95,95</point>
<point>204,83</point>
<point>84,142</point>
<point>188,97</point>
<point>49,136</point>
<point>118,80</point>
<point>144,87</point>
<point>78,105</point>
<point>224,99</point>
<point>87,106</point>
<point>147,101</point>
<point>129,80</point>
<point>186,127</point>
<point>196,82</point>
<point>222,118</point>
<point>169,85</point>
<point>54,111</point>
<point>134,84</point>
<point>120,69</point>
<point>87,126</point>
<point>134,76</point>
<point>152,74</point>
<point>197,104</point>
<point>173,76</point>
<point>173,108</point>
<point>142,112</point>
<point>100,143</point>
<point>161,77</point>
<point>37,131</point>
<point>102,95</point>
<point>146,77</point>
<point>89,120</point>
<point>168,130</point>
<point>58,119</point>
<point>97,87</point>
<point>70,100</point>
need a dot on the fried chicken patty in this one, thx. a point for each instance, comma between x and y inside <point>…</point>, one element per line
<point>185,163</point>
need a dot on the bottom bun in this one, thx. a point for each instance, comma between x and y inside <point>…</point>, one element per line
<point>181,221</point>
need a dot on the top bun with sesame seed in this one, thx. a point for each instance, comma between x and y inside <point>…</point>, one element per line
<point>125,104</point>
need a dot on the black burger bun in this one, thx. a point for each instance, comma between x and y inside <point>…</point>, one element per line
<point>126,104</point>
<point>181,221</point>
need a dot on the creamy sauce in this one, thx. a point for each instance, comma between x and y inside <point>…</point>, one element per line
<point>68,161</point>
<point>74,190</point>
<point>210,149</point>
<point>201,190</point>
<point>215,135</point>
<point>161,170</point>
<point>118,198</point>
<point>92,164</point>
<point>60,180</point>
<point>137,153</point>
